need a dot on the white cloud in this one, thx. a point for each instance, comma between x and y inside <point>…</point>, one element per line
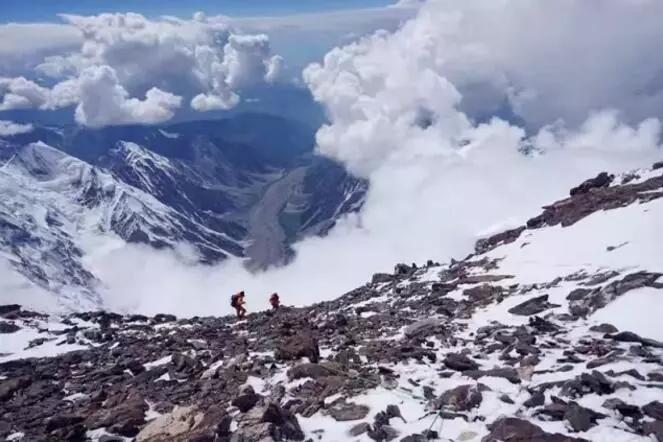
<point>246,61</point>
<point>131,57</point>
<point>103,101</point>
<point>9,128</point>
<point>21,93</point>
<point>21,38</point>
<point>341,21</point>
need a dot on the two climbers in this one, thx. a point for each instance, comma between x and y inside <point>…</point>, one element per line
<point>237,301</point>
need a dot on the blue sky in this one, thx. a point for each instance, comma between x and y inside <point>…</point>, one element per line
<point>47,10</point>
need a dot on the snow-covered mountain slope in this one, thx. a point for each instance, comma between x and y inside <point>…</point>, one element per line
<point>52,202</point>
<point>219,173</point>
<point>548,333</point>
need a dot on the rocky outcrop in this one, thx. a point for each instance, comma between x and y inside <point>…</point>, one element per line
<point>299,346</point>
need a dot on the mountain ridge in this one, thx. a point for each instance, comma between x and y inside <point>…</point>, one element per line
<point>547,335</point>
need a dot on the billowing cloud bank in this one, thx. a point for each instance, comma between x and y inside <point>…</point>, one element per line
<point>130,69</point>
<point>440,178</point>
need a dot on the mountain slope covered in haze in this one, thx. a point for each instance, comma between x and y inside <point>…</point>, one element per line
<point>547,332</point>
<point>245,187</point>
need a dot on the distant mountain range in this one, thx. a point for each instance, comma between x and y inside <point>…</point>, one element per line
<point>246,186</point>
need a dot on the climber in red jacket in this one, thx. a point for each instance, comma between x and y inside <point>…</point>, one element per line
<point>237,302</point>
<point>275,301</point>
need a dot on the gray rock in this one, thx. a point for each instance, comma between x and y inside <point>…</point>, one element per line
<point>8,327</point>
<point>461,398</point>
<point>343,411</point>
<point>393,411</point>
<point>414,438</point>
<point>459,362</point>
<point>246,401</point>
<point>10,386</point>
<point>622,407</point>
<point>532,307</point>
<point>603,179</point>
<point>655,428</point>
<point>259,432</point>
<point>627,336</point>
<point>508,373</point>
<point>299,346</point>
<point>511,429</point>
<point>604,328</point>
<point>579,418</point>
<point>383,433</point>
<point>423,328</point>
<point>310,370</point>
<point>359,429</point>
<point>379,278</point>
<point>537,399</point>
<point>654,410</point>
<point>578,294</point>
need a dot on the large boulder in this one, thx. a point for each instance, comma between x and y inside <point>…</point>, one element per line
<point>511,429</point>
<point>173,426</point>
<point>8,327</point>
<point>603,179</point>
<point>267,423</point>
<point>627,336</point>
<point>654,410</point>
<point>9,310</point>
<point>423,328</point>
<point>309,370</point>
<point>581,418</point>
<point>532,307</point>
<point>459,362</point>
<point>341,410</point>
<point>298,346</point>
<point>461,398</point>
<point>246,400</point>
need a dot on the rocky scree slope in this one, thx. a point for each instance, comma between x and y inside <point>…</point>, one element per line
<point>540,335</point>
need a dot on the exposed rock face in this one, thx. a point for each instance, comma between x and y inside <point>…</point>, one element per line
<point>603,179</point>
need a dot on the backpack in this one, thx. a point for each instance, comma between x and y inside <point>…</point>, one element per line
<point>233,300</point>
